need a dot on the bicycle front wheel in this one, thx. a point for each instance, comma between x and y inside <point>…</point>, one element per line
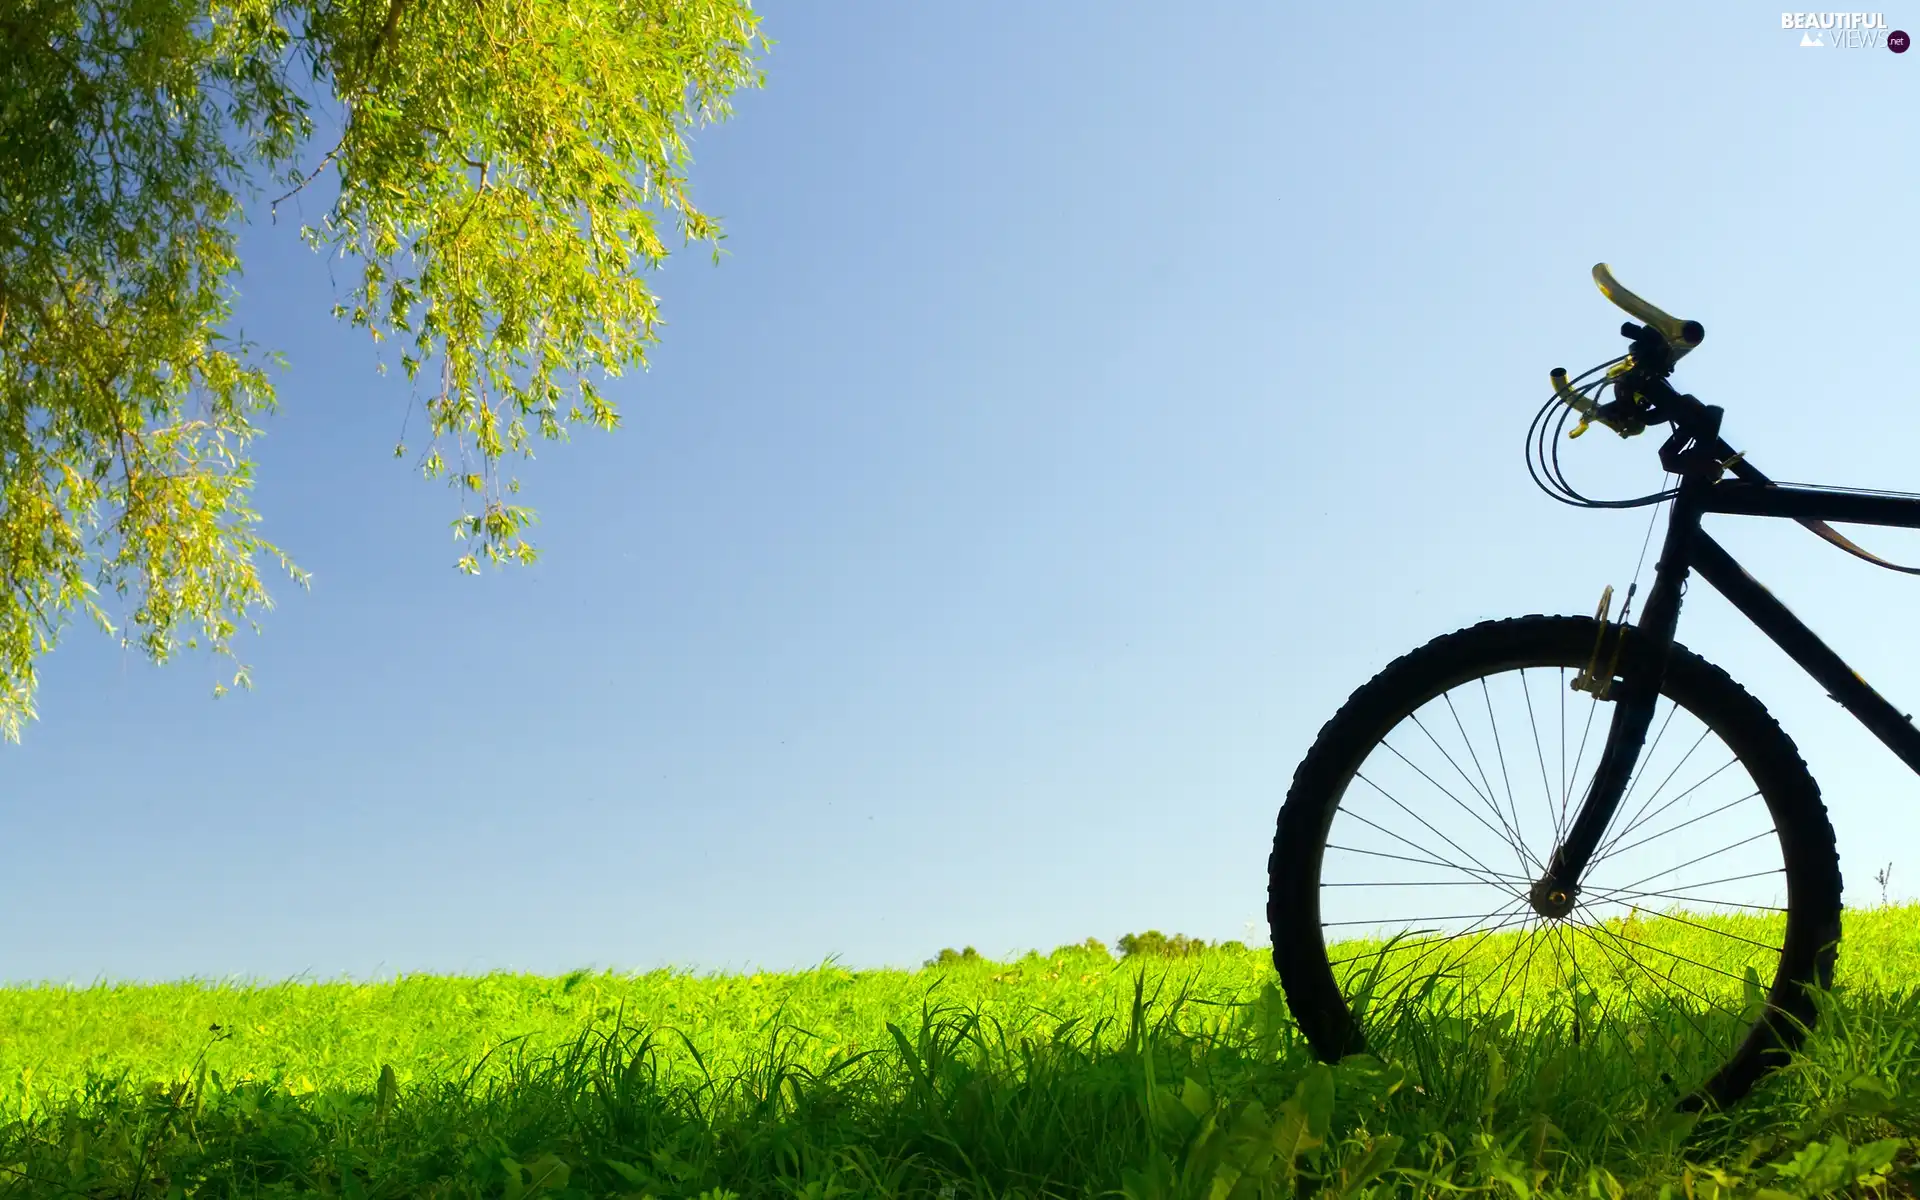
<point>1399,882</point>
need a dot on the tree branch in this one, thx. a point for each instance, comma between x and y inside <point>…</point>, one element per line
<point>473,203</point>
<point>273,209</point>
<point>394,9</point>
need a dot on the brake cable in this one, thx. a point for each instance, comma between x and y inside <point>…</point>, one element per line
<point>1570,396</point>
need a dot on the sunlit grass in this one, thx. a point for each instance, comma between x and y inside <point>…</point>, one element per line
<point>1063,1074</point>
<point>1703,954</point>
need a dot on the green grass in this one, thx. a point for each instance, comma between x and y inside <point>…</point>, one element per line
<point>1670,997</point>
<point>1064,1075</point>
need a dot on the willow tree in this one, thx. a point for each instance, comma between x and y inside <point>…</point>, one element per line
<point>504,172</point>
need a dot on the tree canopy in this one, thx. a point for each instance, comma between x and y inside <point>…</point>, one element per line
<point>504,169</point>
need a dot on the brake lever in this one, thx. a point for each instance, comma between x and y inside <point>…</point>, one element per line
<point>1678,336</point>
<point>1650,359</point>
<point>1624,416</point>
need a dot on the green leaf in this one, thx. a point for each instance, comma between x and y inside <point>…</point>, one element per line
<point>1196,1097</point>
<point>1495,1077</point>
<point>1301,1126</point>
<point>386,1092</point>
<point>119,382</point>
<point>1369,1165</point>
<point>1155,1182</point>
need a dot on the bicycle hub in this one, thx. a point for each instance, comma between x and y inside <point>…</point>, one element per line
<point>1549,899</point>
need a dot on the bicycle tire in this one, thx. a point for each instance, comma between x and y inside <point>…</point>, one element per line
<point>1811,867</point>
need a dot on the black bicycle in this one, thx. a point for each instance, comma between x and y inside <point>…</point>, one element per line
<point>1646,897</point>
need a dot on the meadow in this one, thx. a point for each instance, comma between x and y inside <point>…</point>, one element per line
<point>1170,1071</point>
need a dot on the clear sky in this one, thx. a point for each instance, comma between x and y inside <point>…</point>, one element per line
<point>1094,395</point>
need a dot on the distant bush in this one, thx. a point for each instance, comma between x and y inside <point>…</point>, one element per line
<point>950,956</point>
<point>1091,946</point>
<point>1154,944</point>
<point>1151,944</point>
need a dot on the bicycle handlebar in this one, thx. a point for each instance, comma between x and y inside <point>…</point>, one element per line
<point>1682,336</point>
<point>1660,341</point>
<point>1644,396</point>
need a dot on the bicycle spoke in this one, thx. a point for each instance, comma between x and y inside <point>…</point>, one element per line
<point>1559,822</point>
<point>1508,836</point>
<point>1593,706</point>
<point>1645,757</point>
<point>1479,939</point>
<point>1534,725</point>
<point>1639,821</point>
<point>1593,932</point>
<point>1505,778</point>
<point>1512,832</point>
<point>1416,816</point>
<point>1709,883</point>
<point>1704,857</point>
<point>1690,820</point>
<point>1565,933</point>
<point>1443,938</point>
<point>1414,883</point>
<point>1679,920</point>
<point>1694,962</point>
<point>1507,976</point>
<point>1669,979</point>
<point>1395,920</point>
<point>1428,862</point>
<point>1408,970</point>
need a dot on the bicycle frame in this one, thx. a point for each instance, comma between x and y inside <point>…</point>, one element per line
<point>1688,548</point>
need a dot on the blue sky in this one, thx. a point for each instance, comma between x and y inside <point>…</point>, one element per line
<point>1093,397</point>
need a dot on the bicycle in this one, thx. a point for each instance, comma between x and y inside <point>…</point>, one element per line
<point>1609,911</point>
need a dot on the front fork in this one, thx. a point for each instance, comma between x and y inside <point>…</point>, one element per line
<point>1557,891</point>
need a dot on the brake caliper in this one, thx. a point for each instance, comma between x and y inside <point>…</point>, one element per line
<point>1594,680</point>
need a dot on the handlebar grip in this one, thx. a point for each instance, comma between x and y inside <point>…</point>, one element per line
<point>1681,335</point>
